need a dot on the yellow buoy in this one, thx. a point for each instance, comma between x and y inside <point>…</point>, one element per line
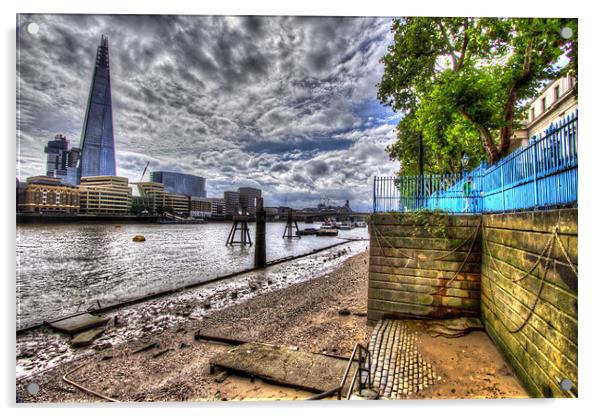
<point>139,238</point>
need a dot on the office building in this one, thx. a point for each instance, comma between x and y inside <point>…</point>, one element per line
<point>61,162</point>
<point>97,142</point>
<point>164,201</point>
<point>105,195</point>
<point>200,207</point>
<point>180,183</point>
<point>231,203</point>
<point>248,199</point>
<point>218,207</point>
<point>177,204</point>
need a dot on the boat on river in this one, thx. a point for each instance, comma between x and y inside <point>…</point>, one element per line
<point>327,231</point>
<point>307,231</point>
<point>346,226</point>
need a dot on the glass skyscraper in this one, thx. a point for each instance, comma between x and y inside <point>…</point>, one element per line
<point>97,142</point>
<point>61,161</point>
<point>181,183</point>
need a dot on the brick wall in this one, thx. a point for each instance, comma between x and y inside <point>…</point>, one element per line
<point>422,286</point>
<point>544,350</point>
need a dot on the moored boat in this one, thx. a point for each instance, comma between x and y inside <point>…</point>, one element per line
<point>327,231</point>
<point>307,231</point>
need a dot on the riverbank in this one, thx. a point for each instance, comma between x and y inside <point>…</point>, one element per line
<point>305,315</point>
<point>325,314</point>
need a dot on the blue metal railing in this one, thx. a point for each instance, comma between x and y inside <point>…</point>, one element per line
<point>540,175</point>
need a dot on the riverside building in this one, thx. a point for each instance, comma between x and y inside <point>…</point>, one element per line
<point>200,207</point>
<point>47,194</point>
<point>232,203</point>
<point>105,195</point>
<point>179,204</point>
<point>248,199</point>
<point>181,183</point>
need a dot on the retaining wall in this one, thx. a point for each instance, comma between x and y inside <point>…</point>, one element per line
<point>532,319</point>
<point>525,295</point>
<point>410,274</point>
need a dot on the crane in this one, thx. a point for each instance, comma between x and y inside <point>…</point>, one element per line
<point>140,188</point>
<point>144,171</point>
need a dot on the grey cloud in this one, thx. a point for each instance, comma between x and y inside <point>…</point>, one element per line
<point>260,100</point>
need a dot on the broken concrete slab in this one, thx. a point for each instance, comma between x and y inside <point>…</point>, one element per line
<point>145,347</point>
<point>222,376</point>
<point>309,371</point>
<point>78,323</point>
<point>161,352</point>
<point>85,338</point>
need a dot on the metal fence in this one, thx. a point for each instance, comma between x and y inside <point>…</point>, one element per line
<point>540,175</point>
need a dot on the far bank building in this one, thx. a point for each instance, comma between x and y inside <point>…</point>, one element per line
<point>181,183</point>
<point>97,142</point>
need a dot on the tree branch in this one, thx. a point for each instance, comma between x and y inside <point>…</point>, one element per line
<point>464,45</point>
<point>509,109</point>
<point>449,46</point>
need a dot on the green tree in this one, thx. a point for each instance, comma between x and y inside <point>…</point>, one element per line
<point>464,83</point>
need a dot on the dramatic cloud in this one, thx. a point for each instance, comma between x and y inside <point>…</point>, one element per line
<point>286,104</point>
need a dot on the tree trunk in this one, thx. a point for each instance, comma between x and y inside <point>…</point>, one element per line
<point>486,138</point>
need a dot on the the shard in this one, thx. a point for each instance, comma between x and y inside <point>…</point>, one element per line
<point>97,142</point>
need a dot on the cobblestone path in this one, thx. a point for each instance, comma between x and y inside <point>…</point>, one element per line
<point>396,367</point>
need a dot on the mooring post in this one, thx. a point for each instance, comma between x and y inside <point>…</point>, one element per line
<point>260,215</point>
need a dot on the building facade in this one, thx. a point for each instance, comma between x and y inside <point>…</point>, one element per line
<point>178,204</point>
<point>231,203</point>
<point>105,195</point>
<point>164,201</point>
<point>61,161</point>
<point>181,183</point>
<point>47,194</point>
<point>556,101</point>
<point>200,207</point>
<point>97,142</point>
<point>248,199</point>
<point>218,207</point>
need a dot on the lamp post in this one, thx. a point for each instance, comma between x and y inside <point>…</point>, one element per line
<point>420,170</point>
<point>467,185</point>
<point>464,160</point>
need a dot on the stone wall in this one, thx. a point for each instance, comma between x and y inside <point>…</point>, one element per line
<point>532,320</point>
<point>516,277</point>
<point>416,271</point>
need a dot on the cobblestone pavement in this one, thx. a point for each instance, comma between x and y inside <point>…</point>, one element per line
<point>396,367</point>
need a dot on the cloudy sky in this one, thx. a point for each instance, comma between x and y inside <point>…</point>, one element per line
<point>286,104</point>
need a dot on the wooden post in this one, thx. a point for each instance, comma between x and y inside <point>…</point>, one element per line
<point>288,230</point>
<point>260,259</point>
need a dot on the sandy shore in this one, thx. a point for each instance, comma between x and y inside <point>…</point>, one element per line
<point>305,315</point>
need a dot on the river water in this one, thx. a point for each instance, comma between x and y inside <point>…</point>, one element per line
<point>64,268</point>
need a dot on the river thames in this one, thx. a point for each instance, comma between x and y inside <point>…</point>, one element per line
<point>64,268</point>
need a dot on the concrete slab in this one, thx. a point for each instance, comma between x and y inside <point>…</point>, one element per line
<point>78,323</point>
<point>310,371</point>
<point>85,338</point>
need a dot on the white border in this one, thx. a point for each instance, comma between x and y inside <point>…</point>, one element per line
<point>589,218</point>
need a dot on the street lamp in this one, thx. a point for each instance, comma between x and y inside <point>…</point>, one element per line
<point>464,159</point>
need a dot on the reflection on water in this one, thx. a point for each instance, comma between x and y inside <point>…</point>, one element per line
<point>63,267</point>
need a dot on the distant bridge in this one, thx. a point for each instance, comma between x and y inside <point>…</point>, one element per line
<point>318,216</point>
